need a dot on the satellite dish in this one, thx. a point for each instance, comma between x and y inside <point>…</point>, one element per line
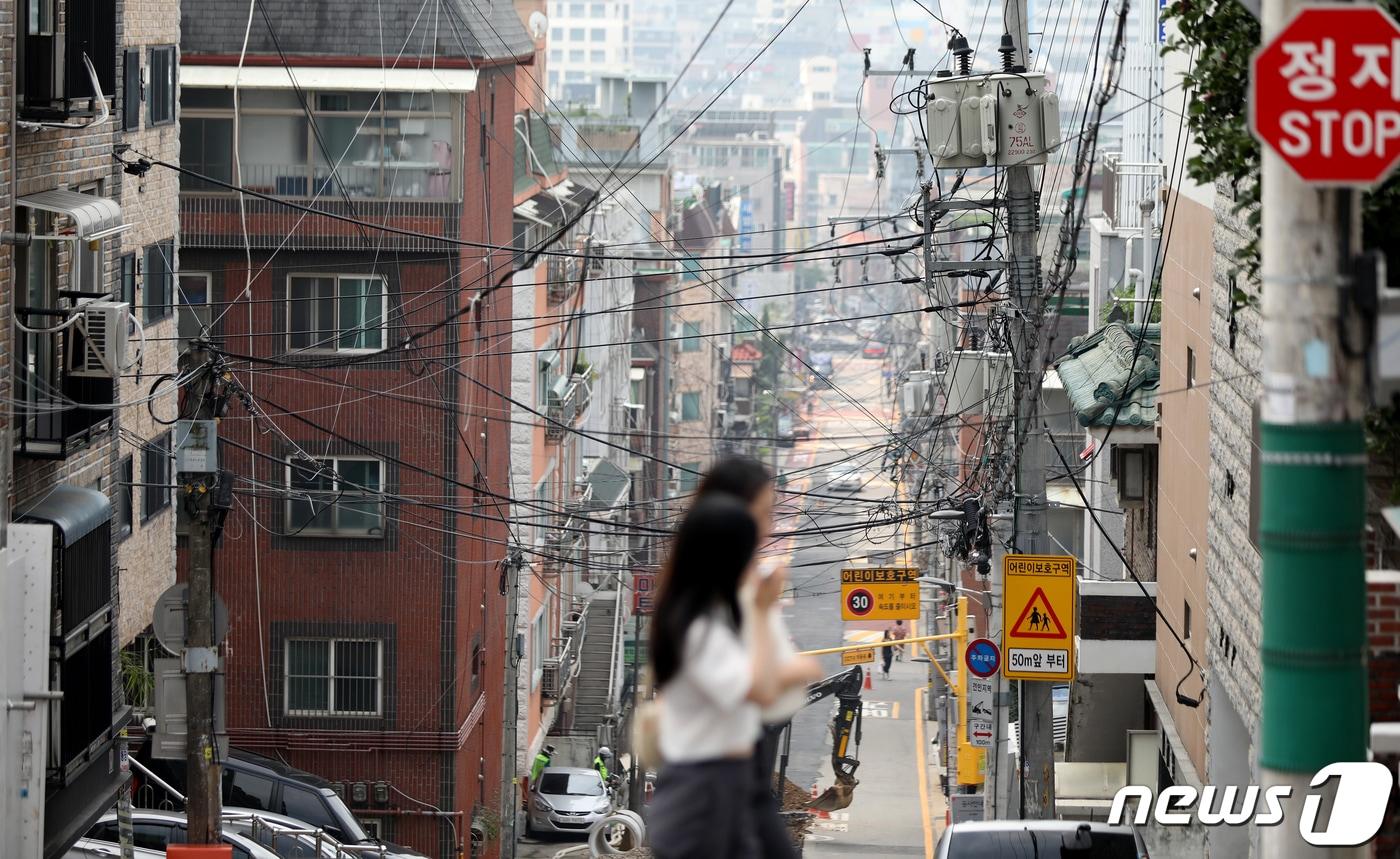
<point>539,24</point>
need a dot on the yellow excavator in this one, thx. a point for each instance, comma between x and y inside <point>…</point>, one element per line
<point>845,729</point>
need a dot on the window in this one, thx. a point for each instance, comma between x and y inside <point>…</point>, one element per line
<point>1190,367</point>
<point>576,56</point>
<point>155,476</point>
<point>121,500</point>
<point>539,646</point>
<point>305,805</point>
<point>374,827</point>
<point>597,10</point>
<point>245,790</point>
<point>131,90</point>
<point>1186,620</point>
<point>690,406</point>
<point>53,81</point>
<point>128,276</point>
<point>156,278</point>
<point>598,34</point>
<point>333,677</point>
<point>335,497</point>
<point>206,148</point>
<point>576,10</point>
<point>547,375</point>
<point>335,313</point>
<point>689,476</point>
<point>576,34</point>
<point>195,318</point>
<point>161,92</point>
<point>556,33</point>
<point>690,331</point>
<point>478,663</point>
<point>597,56</point>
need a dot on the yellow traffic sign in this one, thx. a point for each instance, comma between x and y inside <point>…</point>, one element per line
<point>858,657</point>
<point>1040,610</point>
<point>880,593</point>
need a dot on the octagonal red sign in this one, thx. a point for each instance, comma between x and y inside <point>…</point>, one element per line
<point>1325,94</point>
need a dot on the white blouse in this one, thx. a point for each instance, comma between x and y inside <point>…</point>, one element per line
<point>705,713</point>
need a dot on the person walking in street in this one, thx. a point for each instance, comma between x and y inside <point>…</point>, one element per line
<point>711,684</point>
<point>898,632</point>
<point>749,481</point>
<point>887,654</point>
<point>600,761</point>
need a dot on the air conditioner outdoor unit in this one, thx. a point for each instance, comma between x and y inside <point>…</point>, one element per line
<point>97,347</point>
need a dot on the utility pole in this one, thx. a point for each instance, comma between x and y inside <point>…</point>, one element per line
<point>203,399</point>
<point>1313,476</point>
<point>1037,721</point>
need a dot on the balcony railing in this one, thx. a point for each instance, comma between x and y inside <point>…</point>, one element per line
<point>214,220</point>
<point>563,656</point>
<point>566,407</point>
<point>563,276</point>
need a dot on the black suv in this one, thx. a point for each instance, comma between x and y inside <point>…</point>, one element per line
<point>254,782</point>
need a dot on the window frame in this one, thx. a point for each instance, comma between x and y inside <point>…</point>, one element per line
<point>150,484</point>
<point>295,495</point>
<point>690,334</point>
<point>539,646</point>
<point>162,252</point>
<point>132,95</point>
<point>692,396</point>
<point>124,497</point>
<point>331,677</point>
<point>319,347</point>
<point>181,304</point>
<point>156,118</point>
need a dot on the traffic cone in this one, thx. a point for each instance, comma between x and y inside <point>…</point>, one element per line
<point>869,682</point>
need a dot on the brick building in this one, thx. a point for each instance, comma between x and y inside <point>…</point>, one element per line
<point>85,464</point>
<point>364,562</point>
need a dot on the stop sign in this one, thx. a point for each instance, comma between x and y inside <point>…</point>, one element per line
<point>1325,94</point>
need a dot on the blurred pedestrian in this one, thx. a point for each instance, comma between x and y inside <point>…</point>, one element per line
<point>749,481</point>
<point>710,685</point>
<point>898,632</point>
<point>600,761</point>
<point>887,654</point>
<point>542,760</point>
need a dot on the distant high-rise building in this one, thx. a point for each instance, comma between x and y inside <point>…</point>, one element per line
<point>587,40</point>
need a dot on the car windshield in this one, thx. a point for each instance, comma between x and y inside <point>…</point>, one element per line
<point>1028,844</point>
<point>571,784</point>
<point>350,827</point>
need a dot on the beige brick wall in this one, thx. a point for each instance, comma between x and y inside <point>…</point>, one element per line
<point>70,158</point>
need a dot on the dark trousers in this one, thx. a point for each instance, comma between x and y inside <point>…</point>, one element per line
<point>704,810</point>
<point>774,840</point>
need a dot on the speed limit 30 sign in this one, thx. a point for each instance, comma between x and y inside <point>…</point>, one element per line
<point>1325,94</point>
<point>880,593</point>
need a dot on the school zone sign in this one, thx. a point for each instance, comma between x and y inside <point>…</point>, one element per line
<point>1362,792</point>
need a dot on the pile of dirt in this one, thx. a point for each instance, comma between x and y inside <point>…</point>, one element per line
<point>794,797</point>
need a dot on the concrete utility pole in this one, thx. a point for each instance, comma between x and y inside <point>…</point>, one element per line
<point>201,656</point>
<point>1313,476</point>
<point>1037,734</point>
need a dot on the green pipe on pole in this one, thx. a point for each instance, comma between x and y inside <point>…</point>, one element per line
<point>1311,524</point>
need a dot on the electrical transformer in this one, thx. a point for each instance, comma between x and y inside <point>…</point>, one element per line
<point>992,119</point>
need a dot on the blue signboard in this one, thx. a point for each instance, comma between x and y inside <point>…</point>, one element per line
<point>746,225</point>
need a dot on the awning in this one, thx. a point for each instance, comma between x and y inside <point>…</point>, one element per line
<point>91,215</point>
<point>77,512</point>
<point>340,79</point>
<point>609,484</point>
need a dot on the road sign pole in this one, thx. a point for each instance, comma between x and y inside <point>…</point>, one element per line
<point>1312,448</point>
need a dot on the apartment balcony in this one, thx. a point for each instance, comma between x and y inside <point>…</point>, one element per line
<point>1117,627</point>
<point>418,197</point>
<point>568,402</point>
<point>563,275</point>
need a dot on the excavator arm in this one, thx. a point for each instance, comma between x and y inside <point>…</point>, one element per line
<point>845,728</point>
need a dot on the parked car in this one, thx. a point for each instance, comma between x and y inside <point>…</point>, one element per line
<point>288,837</point>
<point>262,784</point>
<point>1039,839</point>
<point>91,848</point>
<point>568,800</point>
<point>874,350</point>
<point>155,830</point>
<point>845,478</point>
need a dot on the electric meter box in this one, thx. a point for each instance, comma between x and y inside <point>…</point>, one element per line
<point>991,120</point>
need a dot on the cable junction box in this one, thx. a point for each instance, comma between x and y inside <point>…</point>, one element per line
<point>993,119</point>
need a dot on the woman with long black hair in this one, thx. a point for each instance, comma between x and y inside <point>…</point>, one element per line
<point>711,684</point>
<point>752,483</point>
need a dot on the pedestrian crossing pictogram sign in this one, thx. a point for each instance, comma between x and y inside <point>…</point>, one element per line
<point>1040,609</point>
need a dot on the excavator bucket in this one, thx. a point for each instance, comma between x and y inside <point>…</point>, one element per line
<point>836,797</point>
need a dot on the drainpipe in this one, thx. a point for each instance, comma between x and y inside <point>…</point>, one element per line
<point>1142,294</point>
<point>1313,647</point>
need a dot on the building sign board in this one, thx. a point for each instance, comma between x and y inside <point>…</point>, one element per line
<point>880,593</point>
